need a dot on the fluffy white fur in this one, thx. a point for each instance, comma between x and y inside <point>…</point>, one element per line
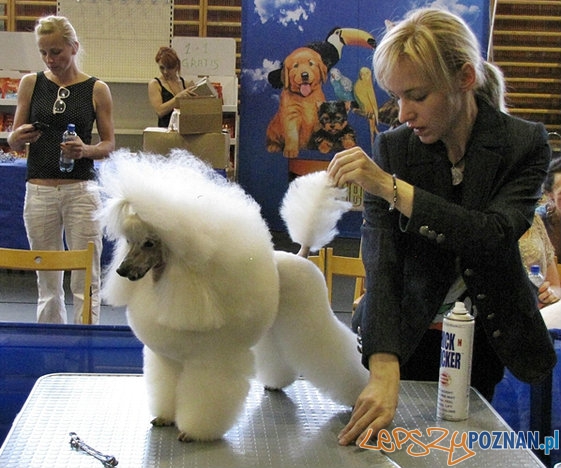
<point>216,306</point>
<point>311,208</point>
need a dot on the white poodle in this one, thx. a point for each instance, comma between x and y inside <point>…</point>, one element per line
<point>214,304</point>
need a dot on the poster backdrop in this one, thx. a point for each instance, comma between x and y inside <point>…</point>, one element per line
<point>342,35</point>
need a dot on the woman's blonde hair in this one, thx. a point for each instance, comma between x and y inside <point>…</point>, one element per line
<point>438,43</point>
<point>52,24</point>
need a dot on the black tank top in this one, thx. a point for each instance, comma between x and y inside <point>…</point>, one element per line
<point>163,121</point>
<point>44,154</point>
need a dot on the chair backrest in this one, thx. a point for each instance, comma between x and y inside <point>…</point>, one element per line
<point>54,260</point>
<point>344,266</point>
<point>318,260</point>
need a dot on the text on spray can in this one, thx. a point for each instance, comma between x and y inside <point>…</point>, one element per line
<point>456,350</point>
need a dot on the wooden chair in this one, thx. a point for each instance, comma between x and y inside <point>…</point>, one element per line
<point>344,266</point>
<point>319,260</point>
<point>54,260</point>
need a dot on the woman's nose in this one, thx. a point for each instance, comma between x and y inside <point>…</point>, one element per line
<point>405,112</point>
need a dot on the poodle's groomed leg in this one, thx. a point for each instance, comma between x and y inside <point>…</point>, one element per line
<point>272,369</point>
<point>211,392</point>
<point>161,374</point>
<point>315,341</point>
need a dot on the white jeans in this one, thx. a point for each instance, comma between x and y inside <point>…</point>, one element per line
<point>49,214</point>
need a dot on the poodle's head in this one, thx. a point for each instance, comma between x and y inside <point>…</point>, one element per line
<point>145,250</point>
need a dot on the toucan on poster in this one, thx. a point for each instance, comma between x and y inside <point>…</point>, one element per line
<point>307,89</point>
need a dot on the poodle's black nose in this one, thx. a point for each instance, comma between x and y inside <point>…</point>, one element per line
<point>127,273</point>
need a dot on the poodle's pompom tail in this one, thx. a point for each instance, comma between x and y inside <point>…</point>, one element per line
<point>311,208</point>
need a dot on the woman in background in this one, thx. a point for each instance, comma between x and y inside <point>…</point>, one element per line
<point>164,91</point>
<point>550,211</point>
<point>537,249</point>
<point>60,206</point>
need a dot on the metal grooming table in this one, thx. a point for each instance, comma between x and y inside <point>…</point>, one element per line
<point>294,428</point>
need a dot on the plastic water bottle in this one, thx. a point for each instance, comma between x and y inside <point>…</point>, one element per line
<point>536,276</point>
<point>456,351</point>
<point>67,164</point>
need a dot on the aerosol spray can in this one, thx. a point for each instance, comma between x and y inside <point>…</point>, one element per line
<point>455,364</point>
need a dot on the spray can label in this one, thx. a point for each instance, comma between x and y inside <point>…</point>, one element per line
<point>455,364</point>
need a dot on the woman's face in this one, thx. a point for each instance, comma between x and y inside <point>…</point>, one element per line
<point>168,73</point>
<point>56,53</point>
<point>432,113</point>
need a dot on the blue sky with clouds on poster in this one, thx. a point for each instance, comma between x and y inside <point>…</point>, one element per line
<point>299,14</point>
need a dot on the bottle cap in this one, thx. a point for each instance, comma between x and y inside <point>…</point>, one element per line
<point>71,127</point>
<point>535,270</point>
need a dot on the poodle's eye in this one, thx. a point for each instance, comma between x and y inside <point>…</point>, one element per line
<point>148,244</point>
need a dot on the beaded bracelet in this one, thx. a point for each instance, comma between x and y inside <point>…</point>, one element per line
<point>394,201</point>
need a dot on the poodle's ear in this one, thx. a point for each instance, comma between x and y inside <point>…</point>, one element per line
<point>275,79</point>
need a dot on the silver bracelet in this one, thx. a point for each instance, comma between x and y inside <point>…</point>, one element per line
<point>394,201</point>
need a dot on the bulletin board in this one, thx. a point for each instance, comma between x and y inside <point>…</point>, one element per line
<point>120,38</point>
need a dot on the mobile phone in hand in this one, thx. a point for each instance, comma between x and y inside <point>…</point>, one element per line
<point>40,126</point>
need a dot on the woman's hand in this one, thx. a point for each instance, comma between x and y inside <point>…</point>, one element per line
<point>376,405</point>
<point>25,133</point>
<point>187,92</point>
<point>354,165</point>
<point>546,294</point>
<point>74,149</point>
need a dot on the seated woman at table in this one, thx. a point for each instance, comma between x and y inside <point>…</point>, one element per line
<point>550,211</point>
<point>164,91</point>
<point>537,249</point>
<point>62,206</point>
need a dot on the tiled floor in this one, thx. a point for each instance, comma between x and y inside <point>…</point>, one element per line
<point>18,290</point>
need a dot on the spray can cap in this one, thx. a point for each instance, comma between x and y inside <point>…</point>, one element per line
<point>459,312</point>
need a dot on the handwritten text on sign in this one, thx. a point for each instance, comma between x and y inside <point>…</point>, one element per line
<point>206,55</point>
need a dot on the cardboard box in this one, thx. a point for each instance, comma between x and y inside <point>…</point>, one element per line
<point>211,147</point>
<point>200,115</point>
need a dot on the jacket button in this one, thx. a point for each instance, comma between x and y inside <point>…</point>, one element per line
<point>431,235</point>
<point>440,238</point>
<point>481,296</point>
<point>496,333</point>
<point>491,316</point>
<point>424,230</point>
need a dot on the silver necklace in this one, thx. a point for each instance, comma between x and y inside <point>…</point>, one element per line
<point>457,171</point>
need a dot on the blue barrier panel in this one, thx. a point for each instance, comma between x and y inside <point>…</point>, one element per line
<point>30,350</point>
<point>528,407</point>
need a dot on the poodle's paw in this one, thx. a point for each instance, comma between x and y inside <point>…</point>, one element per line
<point>161,422</point>
<point>184,437</point>
<point>270,388</point>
